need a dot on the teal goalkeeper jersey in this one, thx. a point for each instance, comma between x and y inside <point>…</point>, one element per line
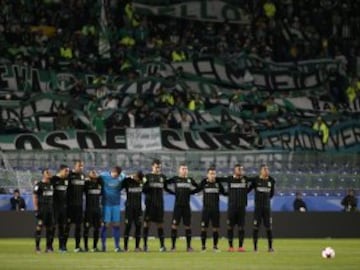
<point>111,189</point>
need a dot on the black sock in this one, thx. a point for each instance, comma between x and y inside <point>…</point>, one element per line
<point>126,235</point>
<point>203,238</point>
<point>86,236</point>
<point>161,236</point>
<point>215,238</point>
<point>270,237</point>
<point>49,234</point>
<point>241,237</point>
<point>188,237</point>
<point>61,235</point>
<point>145,235</point>
<point>255,238</point>
<point>66,232</point>
<point>137,235</point>
<point>96,236</point>
<point>38,236</point>
<point>173,237</point>
<point>230,233</point>
<point>77,235</point>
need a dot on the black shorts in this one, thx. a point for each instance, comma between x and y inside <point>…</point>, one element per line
<point>236,216</point>
<point>60,215</point>
<point>46,217</point>
<point>75,214</point>
<point>262,215</point>
<point>210,215</point>
<point>93,218</point>
<point>182,212</point>
<point>133,215</point>
<point>154,214</point>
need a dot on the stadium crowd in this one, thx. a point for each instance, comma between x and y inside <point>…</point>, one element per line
<point>66,36</point>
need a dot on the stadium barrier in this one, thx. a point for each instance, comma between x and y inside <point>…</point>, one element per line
<point>285,225</point>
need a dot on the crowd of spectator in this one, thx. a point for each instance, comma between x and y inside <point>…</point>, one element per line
<point>65,35</point>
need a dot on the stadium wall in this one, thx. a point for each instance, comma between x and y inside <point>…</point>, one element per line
<point>285,224</point>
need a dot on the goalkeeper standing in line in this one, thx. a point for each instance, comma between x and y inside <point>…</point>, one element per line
<point>111,187</point>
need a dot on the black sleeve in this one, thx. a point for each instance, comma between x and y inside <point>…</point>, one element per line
<point>195,187</point>
<point>22,203</point>
<point>170,182</point>
<point>272,190</point>
<point>222,179</point>
<point>252,184</point>
<point>200,186</point>
<point>13,204</point>
<point>125,183</point>
<point>343,201</point>
<point>222,190</point>
<point>145,185</point>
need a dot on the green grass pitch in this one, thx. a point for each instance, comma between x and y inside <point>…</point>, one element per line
<point>289,254</point>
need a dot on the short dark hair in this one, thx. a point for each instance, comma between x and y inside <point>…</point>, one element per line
<point>237,165</point>
<point>183,164</point>
<point>117,169</point>
<point>263,165</point>
<point>44,170</point>
<point>16,190</point>
<point>63,166</point>
<point>156,161</point>
<point>212,168</point>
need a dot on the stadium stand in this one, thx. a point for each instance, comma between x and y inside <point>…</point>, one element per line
<point>265,75</point>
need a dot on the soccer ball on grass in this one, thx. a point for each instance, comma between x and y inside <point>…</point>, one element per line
<point>328,253</point>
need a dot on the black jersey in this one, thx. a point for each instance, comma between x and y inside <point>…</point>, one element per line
<point>76,187</point>
<point>60,186</point>
<point>92,191</point>
<point>211,194</point>
<point>182,188</point>
<point>264,191</point>
<point>45,193</point>
<point>237,190</point>
<point>153,187</point>
<point>133,190</point>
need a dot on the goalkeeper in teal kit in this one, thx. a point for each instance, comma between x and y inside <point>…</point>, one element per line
<point>111,186</point>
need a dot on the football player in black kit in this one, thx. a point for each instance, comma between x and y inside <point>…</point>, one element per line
<point>154,185</point>
<point>133,212</point>
<point>92,210</point>
<point>211,213</point>
<point>60,185</point>
<point>44,210</point>
<point>263,186</point>
<point>182,187</point>
<point>237,187</point>
<point>75,195</point>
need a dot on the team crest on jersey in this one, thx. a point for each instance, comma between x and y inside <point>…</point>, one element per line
<point>189,180</point>
<point>66,182</point>
<point>269,184</point>
<point>82,177</point>
<point>36,188</point>
<point>242,180</point>
<point>144,179</point>
<point>161,179</point>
